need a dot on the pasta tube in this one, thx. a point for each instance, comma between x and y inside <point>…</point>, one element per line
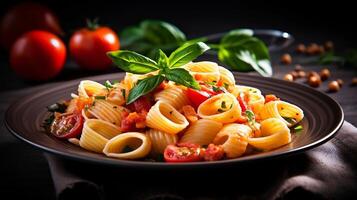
<point>202,132</point>
<point>174,96</point>
<point>204,71</point>
<point>89,88</point>
<point>160,140</point>
<point>287,112</point>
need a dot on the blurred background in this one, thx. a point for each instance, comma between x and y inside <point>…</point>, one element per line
<point>307,21</point>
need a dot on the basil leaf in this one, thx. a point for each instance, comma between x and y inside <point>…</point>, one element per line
<point>159,32</point>
<point>245,53</point>
<point>232,35</point>
<point>186,53</point>
<point>143,87</point>
<point>132,62</point>
<point>163,61</point>
<point>183,77</point>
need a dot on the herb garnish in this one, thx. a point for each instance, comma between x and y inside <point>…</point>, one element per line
<point>298,129</point>
<point>108,85</point>
<point>123,93</point>
<point>100,97</point>
<point>223,104</point>
<point>169,68</point>
<point>250,115</point>
<point>238,49</point>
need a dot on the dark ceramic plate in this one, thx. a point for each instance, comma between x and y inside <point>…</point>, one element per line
<point>323,118</point>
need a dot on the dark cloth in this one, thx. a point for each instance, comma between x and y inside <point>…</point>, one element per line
<point>326,172</point>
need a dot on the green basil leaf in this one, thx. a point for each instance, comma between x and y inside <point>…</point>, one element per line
<point>129,36</point>
<point>245,53</point>
<point>186,53</point>
<point>163,61</point>
<point>132,62</point>
<point>183,77</point>
<point>160,32</point>
<point>232,35</point>
<point>143,87</point>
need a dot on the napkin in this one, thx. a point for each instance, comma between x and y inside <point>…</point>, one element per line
<point>325,172</point>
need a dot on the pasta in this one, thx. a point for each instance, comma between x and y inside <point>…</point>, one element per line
<point>222,108</point>
<point>205,71</point>
<point>164,117</point>
<point>96,133</point>
<point>211,119</point>
<point>139,144</point>
<point>287,112</point>
<point>160,140</point>
<point>234,139</point>
<point>175,96</point>
<point>202,132</point>
<point>275,133</point>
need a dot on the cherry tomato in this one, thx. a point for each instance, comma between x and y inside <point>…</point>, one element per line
<point>88,47</point>
<point>213,152</point>
<point>183,153</point>
<point>68,125</point>
<point>26,17</point>
<point>198,96</point>
<point>271,97</point>
<point>38,55</point>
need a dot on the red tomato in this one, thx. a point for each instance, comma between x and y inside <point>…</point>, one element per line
<point>26,17</point>
<point>271,97</point>
<point>133,121</point>
<point>183,153</point>
<point>242,101</point>
<point>88,47</point>
<point>198,96</point>
<point>67,125</point>
<point>142,104</point>
<point>213,152</point>
<point>38,55</point>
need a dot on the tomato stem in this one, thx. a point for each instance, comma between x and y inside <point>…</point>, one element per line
<point>92,24</point>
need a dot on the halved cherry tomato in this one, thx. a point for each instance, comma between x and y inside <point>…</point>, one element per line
<point>199,96</point>
<point>271,97</point>
<point>133,121</point>
<point>68,125</point>
<point>184,152</point>
<point>213,152</point>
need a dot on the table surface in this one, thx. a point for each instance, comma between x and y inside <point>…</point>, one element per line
<point>24,169</point>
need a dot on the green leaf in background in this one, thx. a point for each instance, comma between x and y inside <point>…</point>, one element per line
<point>186,53</point>
<point>150,36</point>
<point>132,62</point>
<point>162,61</point>
<point>348,58</point>
<point>243,52</point>
<point>183,77</point>
<point>143,87</point>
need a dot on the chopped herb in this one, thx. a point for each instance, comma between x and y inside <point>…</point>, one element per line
<point>226,85</point>
<point>220,110</point>
<point>160,157</point>
<point>171,112</point>
<point>250,115</point>
<point>48,122</point>
<point>216,89</point>
<point>115,82</point>
<point>57,107</point>
<point>298,129</point>
<point>290,120</point>
<point>99,97</point>
<point>231,106</point>
<point>223,104</point>
<point>123,92</point>
<point>205,146</point>
<point>115,107</point>
<point>108,85</point>
<point>212,83</point>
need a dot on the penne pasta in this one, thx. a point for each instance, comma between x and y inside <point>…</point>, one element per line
<point>287,112</point>
<point>96,133</point>
<point>202,132</point>
<point>226,76</point>
<point>162,116</point>
<point>222,108</point>
<point>107,111</point>
<point>275,133</point>
<point>139,144</point>
<point>88,88</point>
<point>234,139</point>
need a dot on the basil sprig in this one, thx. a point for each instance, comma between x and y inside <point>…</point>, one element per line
<point>168,67</point>
<point>238,49</point>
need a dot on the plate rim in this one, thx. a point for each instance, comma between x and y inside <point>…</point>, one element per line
<point>163,165</point>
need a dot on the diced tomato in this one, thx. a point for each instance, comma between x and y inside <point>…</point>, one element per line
<point>190,113</point>
<point>82,102</point>
<point>241,99</point>
<point>220,83</point>
<point>213,152</point>
<point>271,97</point>
<point>142,104</point>
<point>133,121</point>
<point>183,152</point>
<point>198,77</point>
<point>161,87</point>
<point>241,120</point>
<point>68,125</point>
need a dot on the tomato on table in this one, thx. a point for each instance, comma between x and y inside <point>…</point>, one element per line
<point>38,55</point>
<point>67,125</point>
<point>26,17</point>
<point>89,46</point>
<point>183,152</point>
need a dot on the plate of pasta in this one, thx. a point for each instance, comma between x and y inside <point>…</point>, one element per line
<point>202,114</point>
